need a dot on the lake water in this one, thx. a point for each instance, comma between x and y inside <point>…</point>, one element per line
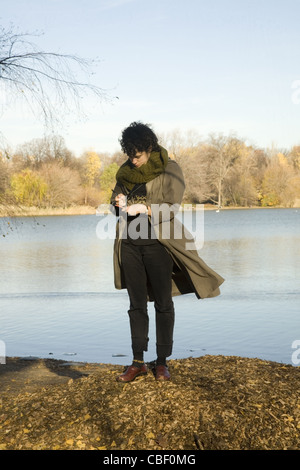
<point>57,297</point>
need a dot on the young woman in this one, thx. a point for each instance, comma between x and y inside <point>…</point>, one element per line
<point>149,260</point>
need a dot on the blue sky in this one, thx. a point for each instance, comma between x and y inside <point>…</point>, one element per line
<point>223,66</point>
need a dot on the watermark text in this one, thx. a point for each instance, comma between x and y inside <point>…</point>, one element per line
<point>296,353</point>
<point>296,93</point>
<point>162,221</point>
<point>2,352</point>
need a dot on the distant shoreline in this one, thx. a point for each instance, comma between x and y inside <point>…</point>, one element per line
<point>13,212</point>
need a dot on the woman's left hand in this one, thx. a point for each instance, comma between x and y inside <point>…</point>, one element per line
<point>135,209</point>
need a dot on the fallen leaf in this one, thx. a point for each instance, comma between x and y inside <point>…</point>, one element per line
<point>80,444</point>
<point>161,440</point>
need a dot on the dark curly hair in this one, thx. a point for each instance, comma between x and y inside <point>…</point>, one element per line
<point>138,137</point>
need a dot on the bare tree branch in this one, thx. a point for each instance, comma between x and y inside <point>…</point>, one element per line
<point>48,81</point>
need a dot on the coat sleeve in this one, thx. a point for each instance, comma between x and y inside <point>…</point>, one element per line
<point>117,190</point>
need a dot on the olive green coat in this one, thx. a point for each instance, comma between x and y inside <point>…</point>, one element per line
<point>190,273</point>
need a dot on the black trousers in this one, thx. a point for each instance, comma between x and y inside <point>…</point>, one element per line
<point>152,264</point>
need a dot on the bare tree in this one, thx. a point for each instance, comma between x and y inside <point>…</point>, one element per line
<point>63,184</point>
<point>49,82</point>
<point>194,166</point>
<point>177,142</point>
<point>40,150</point>
<point>222,152</point>
<point>46,80</point>
<point>118,157</point>
<point>4,175</point>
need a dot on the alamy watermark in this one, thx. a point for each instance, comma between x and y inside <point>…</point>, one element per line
<point>2,352</point>
<point>296,353</point>
<point>165,222</point>
<point>296,93</point>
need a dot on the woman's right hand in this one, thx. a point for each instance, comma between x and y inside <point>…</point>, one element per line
<point>120,200</point>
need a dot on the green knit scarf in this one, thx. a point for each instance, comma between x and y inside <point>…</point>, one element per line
<point>128,175</point>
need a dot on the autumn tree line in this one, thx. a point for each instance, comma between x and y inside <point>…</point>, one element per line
<point>220,170</point>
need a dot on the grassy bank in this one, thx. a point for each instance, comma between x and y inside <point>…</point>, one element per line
<point>22,211</point>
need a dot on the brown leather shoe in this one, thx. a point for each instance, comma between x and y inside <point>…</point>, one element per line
<point>162,373</point>
<point>131,373</point>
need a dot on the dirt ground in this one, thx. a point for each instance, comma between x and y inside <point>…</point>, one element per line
<point>211,403</point>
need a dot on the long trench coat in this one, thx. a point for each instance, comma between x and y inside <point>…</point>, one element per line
<point>190,273</point>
